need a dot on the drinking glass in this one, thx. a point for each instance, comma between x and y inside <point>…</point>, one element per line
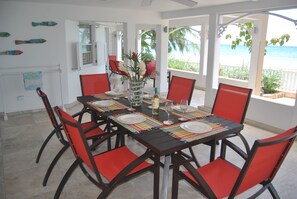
<point>183,107</point>
<point>168,110</point>
<point>131,98</point>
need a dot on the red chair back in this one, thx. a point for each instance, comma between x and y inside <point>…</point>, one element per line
<point>112,57</point>
<point>94,84</point>
<point>75,137</point>
<point>231,102</point>
<point>151,66</point>
<point>181,88</point>
<point>114,66</point>
<point>264,160</point>
<point>48,108</point>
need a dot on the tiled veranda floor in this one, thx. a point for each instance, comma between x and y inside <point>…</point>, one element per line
<point>21,178</point>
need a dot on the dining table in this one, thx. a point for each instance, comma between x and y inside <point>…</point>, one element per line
<point>150,131</point>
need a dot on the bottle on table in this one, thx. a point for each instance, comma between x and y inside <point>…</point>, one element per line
<point>155,103</point>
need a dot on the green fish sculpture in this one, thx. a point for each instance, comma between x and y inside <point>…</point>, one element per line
<point>44,23</point>
<point>4,34</point>
<point>31,41</point>
<point>11,52</point>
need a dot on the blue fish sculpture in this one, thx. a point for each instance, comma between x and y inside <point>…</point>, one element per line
<point>31,41</point>
<point>44,23</point>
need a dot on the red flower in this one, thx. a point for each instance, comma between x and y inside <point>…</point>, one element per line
<point>150,68</point>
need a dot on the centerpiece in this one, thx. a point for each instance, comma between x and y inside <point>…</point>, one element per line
<point>137,74</point>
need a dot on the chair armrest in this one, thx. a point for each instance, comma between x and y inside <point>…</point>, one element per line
<point>235,148</point>
<point>178,160</point>
<point>103,138</point>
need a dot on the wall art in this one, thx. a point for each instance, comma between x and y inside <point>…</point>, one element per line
<point>31,41</point>
<point>4,34</point>
<point>44,23</point>
<point>11,52</point>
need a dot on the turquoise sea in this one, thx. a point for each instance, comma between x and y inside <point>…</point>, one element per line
<point>277,57</point>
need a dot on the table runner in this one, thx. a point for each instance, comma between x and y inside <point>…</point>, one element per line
<point>116,106</point>
<point>184,136</point>
<point>148,124</point>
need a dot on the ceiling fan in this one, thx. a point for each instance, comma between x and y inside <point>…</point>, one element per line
<point>189,3</point>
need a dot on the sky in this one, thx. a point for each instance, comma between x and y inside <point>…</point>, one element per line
<point>276,27</point>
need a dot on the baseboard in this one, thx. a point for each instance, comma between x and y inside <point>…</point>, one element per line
<point>36,110</point>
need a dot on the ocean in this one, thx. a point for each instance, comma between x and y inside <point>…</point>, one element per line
<point>277,57</point>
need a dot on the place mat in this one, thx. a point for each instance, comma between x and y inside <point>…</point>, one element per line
<point>116,106</point>
<point>148,124</point>
<point>102,96</point>
<point>188,115</point>
<point>184,136</point>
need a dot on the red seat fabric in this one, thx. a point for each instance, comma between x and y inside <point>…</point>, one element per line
<point>231,102</point>
<point>112,163</point>
<point>92,133</point>
<point>218,173</point>
<point>94,83</point>
<point>181,88</point>
<point>112,57</point>
<point>226,180</point>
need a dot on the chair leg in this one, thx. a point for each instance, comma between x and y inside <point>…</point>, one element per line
<point>65,178</point>
<point>273,192</point>
<point>53,163</point>
<point>194,157</point>
<point>44,144</point>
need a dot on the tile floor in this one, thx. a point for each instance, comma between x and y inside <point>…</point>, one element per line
<point>21,178</point>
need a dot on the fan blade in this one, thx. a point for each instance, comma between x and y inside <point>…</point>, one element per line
<point>189,3</point>
<point>145,3</point>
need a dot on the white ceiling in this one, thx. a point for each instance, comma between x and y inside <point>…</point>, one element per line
<point>157,5</point>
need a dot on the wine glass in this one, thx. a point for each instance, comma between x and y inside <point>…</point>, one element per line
<point>131,98</point>
<point>168,110</point>
<point>183,107</point>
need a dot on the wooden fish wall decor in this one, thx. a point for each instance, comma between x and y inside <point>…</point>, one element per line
<point>4,34</point>
<point>11,52</point>
<point>44,23</point>
<point>31,41</point>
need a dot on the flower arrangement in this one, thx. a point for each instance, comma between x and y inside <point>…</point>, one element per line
<point>136,69</point>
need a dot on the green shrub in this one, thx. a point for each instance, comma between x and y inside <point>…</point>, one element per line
<point>236,72</point>
<point>182,65</point>
<point>271,81</point>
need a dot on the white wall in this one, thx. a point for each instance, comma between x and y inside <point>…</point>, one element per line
<point>16,18</point>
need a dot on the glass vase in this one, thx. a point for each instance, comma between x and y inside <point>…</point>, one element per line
<point>135,92</point>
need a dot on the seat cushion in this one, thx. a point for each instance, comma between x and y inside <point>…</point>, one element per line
<point>94,132</point>
<point>111,163</point>
<point>220,175</point>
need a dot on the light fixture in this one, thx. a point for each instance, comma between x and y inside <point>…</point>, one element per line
<point>189,3</point>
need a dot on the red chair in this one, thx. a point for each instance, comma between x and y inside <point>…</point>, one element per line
<point>112,57</point>
<point>181,88</point>
<point>117,165</point>
<point>94,84</point>
<point>92,132</point>
<point>221,178</point>
<point>231,103</point>
<point>151,65</point>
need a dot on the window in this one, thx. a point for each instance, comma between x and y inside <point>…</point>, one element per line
<point>87,46</point>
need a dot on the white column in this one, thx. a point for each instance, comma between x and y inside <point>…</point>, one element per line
<point>161,58</point>
<point>203,55</point>
<point>257,55</point>
<point>129,31</point>
<point>212,59</point>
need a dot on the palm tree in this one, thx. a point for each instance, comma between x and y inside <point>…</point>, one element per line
<point>178,40</point>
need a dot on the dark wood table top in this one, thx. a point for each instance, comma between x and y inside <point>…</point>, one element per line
<point>155,139</point>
